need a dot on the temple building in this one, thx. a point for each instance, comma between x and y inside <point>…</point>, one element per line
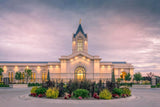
<point>78,65</point>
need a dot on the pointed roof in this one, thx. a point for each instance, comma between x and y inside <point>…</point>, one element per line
<point>80,29</point>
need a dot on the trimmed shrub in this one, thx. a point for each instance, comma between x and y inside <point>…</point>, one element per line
<point>33,90</point>
<point>34,84</point>
<point>40,90</point>
<point>81,92</point>
<point>117,91</point>
<point>126,84</point>
<point>105,94</point>
<point>126,91</point>
<point>52,93</point>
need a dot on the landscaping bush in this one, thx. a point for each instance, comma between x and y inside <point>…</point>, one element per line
<point>153,86</point>
<point>3,85</point>
<point>126,91</point>
<point>34,84</point>
<point>52,93</point>
<point>33,90</point>
<point>158,85</point>
<point>105,94</point>
<point>126,84</point>
<point>117,91</point>
<point>81,92</point>
<point>40,90</point>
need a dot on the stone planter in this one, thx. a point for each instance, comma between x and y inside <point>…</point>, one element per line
<point>141,86</point>
<point>18,85</point>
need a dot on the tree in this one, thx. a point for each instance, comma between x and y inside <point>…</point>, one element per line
<point>48,76</point>
<point>128,77</point>
<point>149,76</point>
<point>113,76</point>
<point>18,76</point>
<point>119,80</point>
<point>137,76</point>
<point>28,73</point>
<point>1,70</point>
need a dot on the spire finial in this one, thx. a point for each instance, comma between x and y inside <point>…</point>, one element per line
<point>80,21</point>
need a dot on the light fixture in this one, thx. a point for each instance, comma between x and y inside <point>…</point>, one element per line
<point>71,60</point>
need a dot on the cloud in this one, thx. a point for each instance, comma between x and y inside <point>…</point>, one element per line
<point>41,30</point>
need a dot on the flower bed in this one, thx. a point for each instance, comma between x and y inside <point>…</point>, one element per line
<point>80,90</point>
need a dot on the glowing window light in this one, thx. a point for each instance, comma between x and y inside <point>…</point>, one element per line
<point>109,66</point>
<point>27,67</point>
<point>102,66</point>
<point>57,66</point>
<point>16,68</point>
<point>71,60</point>
<point>38,69</point>
<point>76,57</point>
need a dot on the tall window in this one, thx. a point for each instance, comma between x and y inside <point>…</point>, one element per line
<point>10,74</point>
<point>80,73</point>
<point>44,76</point>
<point>33,77</point>
<point>80,45</point>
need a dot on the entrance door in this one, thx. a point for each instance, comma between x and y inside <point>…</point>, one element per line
<point>80,73</point>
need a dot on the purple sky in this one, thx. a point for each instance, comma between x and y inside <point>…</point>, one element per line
<point>118,30</point>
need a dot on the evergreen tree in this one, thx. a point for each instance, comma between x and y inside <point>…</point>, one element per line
<point>48,76</point>
<point>113,77</point>
<point>1,70</point>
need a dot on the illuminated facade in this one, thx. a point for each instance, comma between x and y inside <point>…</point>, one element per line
<point>79,65</point>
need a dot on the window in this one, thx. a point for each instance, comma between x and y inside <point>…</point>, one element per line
<point>44,76</point>
<point>10,74</point>
<point>33,77</point>
<point>80,73</point>
<point>80,45</point>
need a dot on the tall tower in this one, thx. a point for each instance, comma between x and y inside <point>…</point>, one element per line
<point>79,40</point>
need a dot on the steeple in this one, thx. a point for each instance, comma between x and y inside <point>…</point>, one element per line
<point>79,40</point>
<point>80,29</point>
<point>80,21</point>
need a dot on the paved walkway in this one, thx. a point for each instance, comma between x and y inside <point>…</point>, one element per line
<point>19,98</point>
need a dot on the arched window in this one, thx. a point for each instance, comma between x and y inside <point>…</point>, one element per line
<point>80,44</point>
<point>80,73</point>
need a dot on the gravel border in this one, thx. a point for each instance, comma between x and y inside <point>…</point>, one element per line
<point>28,98</point>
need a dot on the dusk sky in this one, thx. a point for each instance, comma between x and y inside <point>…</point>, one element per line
<point>118,30</point>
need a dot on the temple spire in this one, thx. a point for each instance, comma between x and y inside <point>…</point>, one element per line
<point>80,21</point>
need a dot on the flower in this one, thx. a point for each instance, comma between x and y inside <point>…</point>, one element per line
<point>124,95</point>
<point>65,97</point>
<point>40,95</point>
<point>33,94</point>
<point>115,95</point>
<point>69,95</point>
<point>80,98</point>
<point>95,95</point>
